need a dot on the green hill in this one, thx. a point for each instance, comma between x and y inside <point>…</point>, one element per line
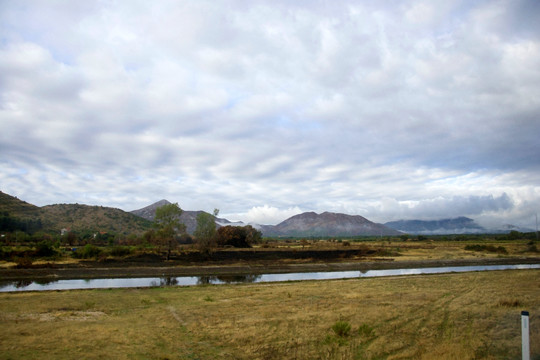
<point>79,218</point>
<point>17,208</point>
<point>16,215</point>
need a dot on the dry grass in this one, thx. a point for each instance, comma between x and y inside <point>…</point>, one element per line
<point>450,316</point>
<point>447,250</point>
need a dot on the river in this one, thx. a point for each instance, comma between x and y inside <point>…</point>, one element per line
<point>72,284</point>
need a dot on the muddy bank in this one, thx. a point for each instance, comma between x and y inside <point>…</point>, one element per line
<point>90,270</point>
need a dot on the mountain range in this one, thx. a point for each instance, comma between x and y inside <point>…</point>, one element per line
<point>78,217</point>
<point>459,225</point>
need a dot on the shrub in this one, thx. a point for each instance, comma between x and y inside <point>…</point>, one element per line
<point>120,251</point>
<point>23,262</point>
<point>87,252</point>
<point>44,249</point>
<point>365,330</point>
<point>342,328</point>
<point>488,248</point>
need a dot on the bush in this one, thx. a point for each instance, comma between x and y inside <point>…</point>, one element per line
<point>120,251</point>
<point>45,249</point>
<point>87,252</point>
<point>488,248</point>
<point>23,262</point>
<point>365,330</point>
<point>342,328</point>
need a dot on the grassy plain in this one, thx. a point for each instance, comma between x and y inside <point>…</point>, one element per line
<point>448,316</point>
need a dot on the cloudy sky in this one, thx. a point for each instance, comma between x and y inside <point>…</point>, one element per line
<point>265,109</point>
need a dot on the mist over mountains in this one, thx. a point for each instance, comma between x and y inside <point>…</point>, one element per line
<point>78,217</point>
<point>460,225</point>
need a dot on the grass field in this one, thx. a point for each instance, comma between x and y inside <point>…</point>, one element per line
<point>450,316</point>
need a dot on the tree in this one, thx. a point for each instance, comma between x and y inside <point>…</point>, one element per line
<point>232,236</point>
<point>205,233</point>
<point>237,236</point>
<point>167,223</point>
<point>253,236</point>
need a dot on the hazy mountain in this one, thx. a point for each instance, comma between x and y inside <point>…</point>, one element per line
<point>188,218</point>
<point>506,228</point>
<point>327,224</point>
<point>459,225</point>
<point>79,218</point>
<point>149,211</point>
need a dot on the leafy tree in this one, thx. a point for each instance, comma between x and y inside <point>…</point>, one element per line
<point>205,233</point>
<point>238,236</point>
<point>253,236</point>
<point>167,223</point>
<point>232,236</point>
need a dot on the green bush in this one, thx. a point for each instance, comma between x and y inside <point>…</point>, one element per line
<point>365,330</point>
<point>45,249</point>
<point>87,252</point>
<point>342,328</point>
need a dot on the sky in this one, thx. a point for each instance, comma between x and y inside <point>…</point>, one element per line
<point>265,109</point>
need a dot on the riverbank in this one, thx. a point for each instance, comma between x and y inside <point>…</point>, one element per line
<point>94,269</point>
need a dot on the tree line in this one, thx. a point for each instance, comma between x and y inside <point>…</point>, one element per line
<point>207,237</point>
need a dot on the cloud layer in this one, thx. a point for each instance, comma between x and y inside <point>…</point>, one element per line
<point>390,111</point>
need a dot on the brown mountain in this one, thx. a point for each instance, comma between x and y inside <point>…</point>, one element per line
<point>327,224</point>
<point>189,218</point>
<point>78,217</point>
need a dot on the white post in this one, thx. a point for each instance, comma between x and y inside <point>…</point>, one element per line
<point>525,351</point>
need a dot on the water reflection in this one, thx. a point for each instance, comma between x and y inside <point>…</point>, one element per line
<point>228,279</point>
<point>45,284</point>
<point>22,283</point>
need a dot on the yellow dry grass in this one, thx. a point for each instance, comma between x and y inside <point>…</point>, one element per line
<point>449,316</point>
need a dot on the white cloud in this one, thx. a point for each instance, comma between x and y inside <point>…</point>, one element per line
<point>344,106</point>
<point>269,215</point>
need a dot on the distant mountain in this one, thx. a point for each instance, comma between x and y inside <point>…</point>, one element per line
<point>459,225</point>
<point>149,211</point>
<point>506,228</point>
<point>188,218</point>
<point>327,224</point>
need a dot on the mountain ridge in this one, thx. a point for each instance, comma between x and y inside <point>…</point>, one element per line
<point>327,224</point>
<point>79,217</point>
<point>458,225</point>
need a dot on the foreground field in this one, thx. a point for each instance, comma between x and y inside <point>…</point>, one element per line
<point>451,316</point>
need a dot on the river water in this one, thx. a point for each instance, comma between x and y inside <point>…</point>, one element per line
<point>48,284</point>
